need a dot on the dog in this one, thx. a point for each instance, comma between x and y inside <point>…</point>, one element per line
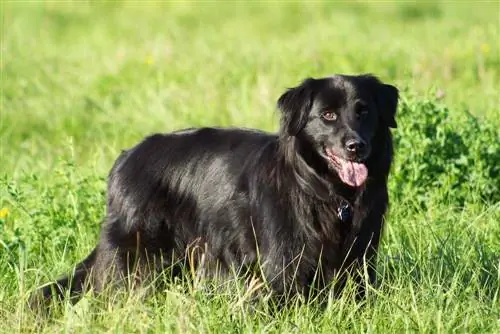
<point>304,206</point>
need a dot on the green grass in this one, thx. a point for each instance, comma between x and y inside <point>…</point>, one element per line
<point>82,80</point>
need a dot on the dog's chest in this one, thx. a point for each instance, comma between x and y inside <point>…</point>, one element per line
<point>345,212</point>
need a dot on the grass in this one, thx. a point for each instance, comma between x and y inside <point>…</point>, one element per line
<point>82,80</point>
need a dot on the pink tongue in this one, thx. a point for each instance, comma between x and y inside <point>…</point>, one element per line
<point>352,173</point>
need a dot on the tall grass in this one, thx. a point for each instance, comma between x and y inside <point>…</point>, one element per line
<point>82,80</point>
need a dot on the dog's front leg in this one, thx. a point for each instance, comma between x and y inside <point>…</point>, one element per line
<point>362,244</point>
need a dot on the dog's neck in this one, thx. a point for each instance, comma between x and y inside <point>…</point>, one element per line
<point>379,163</point>
<point>298,161</point>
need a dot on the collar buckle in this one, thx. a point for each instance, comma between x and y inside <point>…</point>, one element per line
<point>344,212</point>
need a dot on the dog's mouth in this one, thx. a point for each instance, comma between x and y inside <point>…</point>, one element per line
<point>350,172</point>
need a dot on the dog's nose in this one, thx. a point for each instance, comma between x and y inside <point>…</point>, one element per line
<point>355,145</point>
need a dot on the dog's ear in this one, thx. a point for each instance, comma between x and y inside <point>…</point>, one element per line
<point>295,105</point>
<point>387,102</point>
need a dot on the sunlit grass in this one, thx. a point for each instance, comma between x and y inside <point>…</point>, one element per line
<point>80,82</point>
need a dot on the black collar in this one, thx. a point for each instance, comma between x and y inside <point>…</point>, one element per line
<point>344,212</point>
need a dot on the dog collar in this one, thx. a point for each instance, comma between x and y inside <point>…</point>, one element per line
<point>344,212</point>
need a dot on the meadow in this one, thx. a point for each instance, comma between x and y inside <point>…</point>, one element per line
<point>82,80</point>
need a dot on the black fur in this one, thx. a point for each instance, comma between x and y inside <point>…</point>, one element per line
<point>249,199</point>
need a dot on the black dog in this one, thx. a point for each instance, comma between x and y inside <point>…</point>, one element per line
<point>305,206</point>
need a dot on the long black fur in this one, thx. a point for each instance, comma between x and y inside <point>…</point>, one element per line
<point>249,199</point>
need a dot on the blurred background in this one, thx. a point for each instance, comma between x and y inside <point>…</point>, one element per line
<point>98,76</point>
<point>82,80</point>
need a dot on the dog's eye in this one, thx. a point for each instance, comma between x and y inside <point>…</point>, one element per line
<point>329,116</point>
<point>361,109</point>
<point>362,113</point>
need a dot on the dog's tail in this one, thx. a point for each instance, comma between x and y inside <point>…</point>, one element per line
<point>72,286</point>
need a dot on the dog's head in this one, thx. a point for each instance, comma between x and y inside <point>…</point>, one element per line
<point>340,116</point>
